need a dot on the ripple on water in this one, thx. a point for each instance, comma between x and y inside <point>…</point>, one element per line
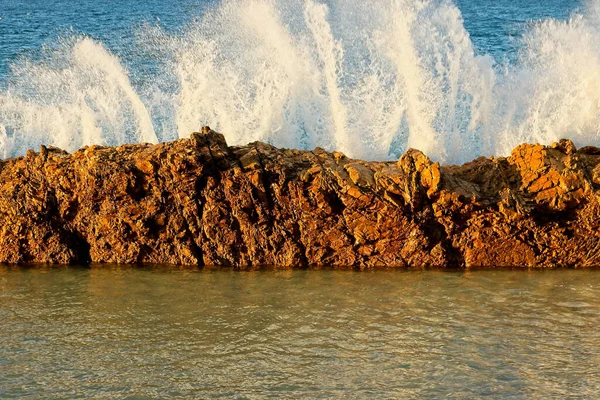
<point>99,333</point>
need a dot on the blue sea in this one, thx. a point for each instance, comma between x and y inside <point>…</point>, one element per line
<point>454,79</point>
<point>29,26</point>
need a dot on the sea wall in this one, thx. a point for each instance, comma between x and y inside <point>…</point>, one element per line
<point>199,201</point>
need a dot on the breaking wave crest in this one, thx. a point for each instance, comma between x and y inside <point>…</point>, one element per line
<point>367,79</point>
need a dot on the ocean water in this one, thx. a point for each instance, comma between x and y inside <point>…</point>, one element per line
<point>454,79</point>
<point>127,333</point>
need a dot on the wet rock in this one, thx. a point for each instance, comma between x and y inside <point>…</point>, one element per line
<point>199,201</point>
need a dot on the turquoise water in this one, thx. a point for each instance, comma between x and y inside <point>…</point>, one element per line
<point>109,332</point>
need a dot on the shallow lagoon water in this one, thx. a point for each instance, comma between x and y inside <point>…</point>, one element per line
<point>112,332</point>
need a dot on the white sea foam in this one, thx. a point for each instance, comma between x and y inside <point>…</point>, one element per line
<point>81,95</point>
<point>367,78</point>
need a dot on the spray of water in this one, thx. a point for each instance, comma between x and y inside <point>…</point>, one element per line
<point>81,95</point>
<point>403,74</point>
<point>367,78</point>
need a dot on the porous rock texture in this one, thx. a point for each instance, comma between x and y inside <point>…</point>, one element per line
<point>199,201</point>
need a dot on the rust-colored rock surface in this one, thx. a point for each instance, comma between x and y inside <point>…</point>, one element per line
<point>199,201</point>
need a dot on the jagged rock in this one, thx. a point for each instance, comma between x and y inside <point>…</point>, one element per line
<point>360,174</point>
<point>199,201</point>
<point>422,177</point>
<point>550,177</point>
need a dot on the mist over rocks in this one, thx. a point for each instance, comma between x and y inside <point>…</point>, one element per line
<point>199,201</point>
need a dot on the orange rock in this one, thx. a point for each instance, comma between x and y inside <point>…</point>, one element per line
<point>199,201</point>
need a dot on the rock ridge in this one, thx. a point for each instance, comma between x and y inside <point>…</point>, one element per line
<point>198,201</point>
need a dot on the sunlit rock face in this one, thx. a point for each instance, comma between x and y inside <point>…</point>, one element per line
<point>199,201</point>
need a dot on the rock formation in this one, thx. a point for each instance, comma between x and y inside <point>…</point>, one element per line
<point>199,201</point>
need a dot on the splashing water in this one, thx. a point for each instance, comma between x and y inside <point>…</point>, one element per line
<point>406,77</point>
<point>82,95</point>
<point>367,78</point>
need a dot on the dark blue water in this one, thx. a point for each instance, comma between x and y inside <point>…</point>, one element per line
<point>496,26</point>
<point>27,26</point>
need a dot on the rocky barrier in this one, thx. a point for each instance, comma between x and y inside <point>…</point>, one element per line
<point>199,201</point>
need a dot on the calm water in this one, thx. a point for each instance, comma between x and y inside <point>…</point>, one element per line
<point>127,333</point>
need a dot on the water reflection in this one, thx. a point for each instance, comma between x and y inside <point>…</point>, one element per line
<point>103,332</point>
